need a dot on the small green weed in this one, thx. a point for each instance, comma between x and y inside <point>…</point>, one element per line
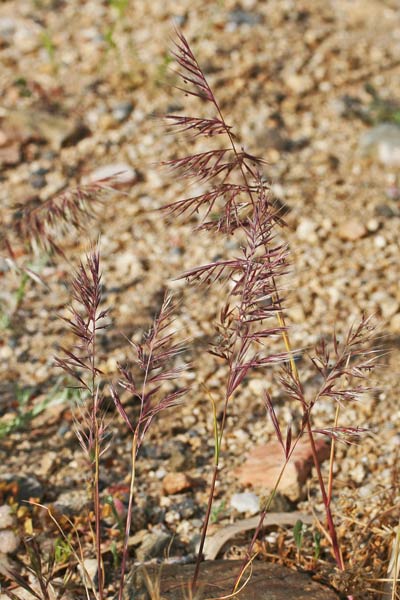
<point>217,512</point>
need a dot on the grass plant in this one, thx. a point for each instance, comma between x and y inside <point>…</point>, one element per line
<point>236,202</point>
<point>238,199</point>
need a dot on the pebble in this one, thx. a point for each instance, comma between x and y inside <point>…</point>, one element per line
<point>373,225</point>
<point>351,230</point>
<point>7,29</point>
<point>45,465</point>
<point>384,210</point>
<point>9,541</point>
<point>306,231</point>
<point>186,508</point>
<point>121,111</point>
<point>7,518</point>
<point>395,323</point>
<point>89,572</point>
<point>153,544</point>
<point>172,516</point>
<point>27,36</point>
<point>382,142</point>
<point>389,306</point>
<point>128,266</point>
<point>379,242</point>
<point>10,155</point>
<point>246,502</point>
<point>71,502</point>
<point>173,483</point>
<point>244,17</point>
<point>393,192</point>
<point>299,84</point>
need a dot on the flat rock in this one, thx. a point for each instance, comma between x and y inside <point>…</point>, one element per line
<point>263,465</point>
<point>268,582</point>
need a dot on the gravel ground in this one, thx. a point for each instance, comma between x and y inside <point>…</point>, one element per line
<point>301,82</point>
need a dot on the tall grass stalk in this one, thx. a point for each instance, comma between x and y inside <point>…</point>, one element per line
<point>238,202</point>
<point>154,387</point>
<point>86,319</point>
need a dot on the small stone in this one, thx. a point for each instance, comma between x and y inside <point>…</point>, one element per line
<point>395,323</point>
<point>172,516</point>
<point>89,572</point>
<point>299,84</point>
<point>246,502</point>
<point>27,36</point>
<point>384,210</point>
<point>160,473</point>
<point>382,142</point>
<point>7,29</point>
<point>72,501</point>
<point>263,465</point>
<point>122,111</point>
<point>121,174</point>
<point>46,463</point>
<point>373,225</point>
<point>358,473</point>
<point>173,483</point>
<point>9,541</point>
<point>379,242</point>
<point>10,155</point>
<point>7,518</point>
<point>37,181</point>
<point>153,544</point>
<point>244,17</point>
<point>128,265</point>
<point>6,351</point>
<point>389,306</point>
<point>393,192</point>
<point>351,230</point>
<point>306,231</point>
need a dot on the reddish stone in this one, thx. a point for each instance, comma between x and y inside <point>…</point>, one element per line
<point>173,483</point>
<point>10,155</point>
<point>263,466</point>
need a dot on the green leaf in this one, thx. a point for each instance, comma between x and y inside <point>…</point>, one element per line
<point>317,545</point>
<point>298,533</point>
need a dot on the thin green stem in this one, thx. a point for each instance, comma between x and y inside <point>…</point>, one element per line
<point>204,529</point>
<point>129,515</point>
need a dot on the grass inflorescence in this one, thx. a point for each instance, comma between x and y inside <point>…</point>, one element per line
<point>235,201</point>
